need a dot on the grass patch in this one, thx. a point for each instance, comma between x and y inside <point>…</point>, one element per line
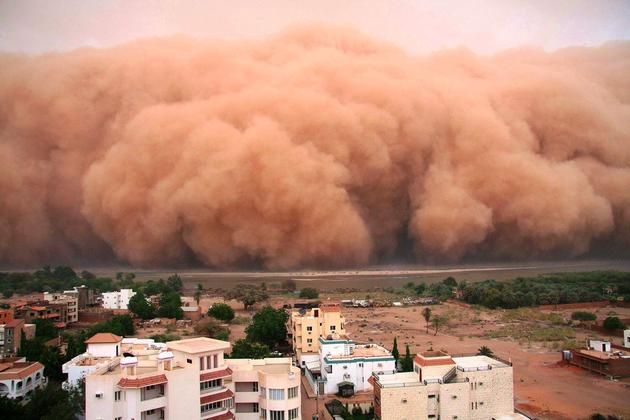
<point>526,333</point>
<point>529,314</point>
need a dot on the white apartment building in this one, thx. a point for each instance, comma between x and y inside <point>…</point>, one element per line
<point>445,387</point>
<point>19,378</point>
<point>72,302</point>
<point>186,379</point>
<point>117,300</point>
<point>346,367</point>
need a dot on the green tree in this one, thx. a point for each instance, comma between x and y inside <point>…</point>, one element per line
<point>221,311</point>
<point>583,316</point>
<point>247,294</point>
<point>613,323</point>
<point>212,328</point>
<point>406,363</point>
<point>245,349</point>
<point>450,282</point>
<point>45,328</point>
<point>268,326</point>
<point>11,409</point>
<point>426,314</point>
<point>139,305</point>
<point>175,283</point>
<point>485,351</point>
<point>309,293</point>
<point>170,305</point>
<point>395,351</point>
<point>51,403</point>
<point>198,293</point>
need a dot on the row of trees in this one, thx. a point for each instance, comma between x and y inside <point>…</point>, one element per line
<point>548,289</point>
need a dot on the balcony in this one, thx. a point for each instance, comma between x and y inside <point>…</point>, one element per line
<point>151,392</point>
<point>211,390</point>
<point>154,414</point>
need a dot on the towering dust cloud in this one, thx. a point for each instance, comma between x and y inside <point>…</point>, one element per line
<point>319,147</point>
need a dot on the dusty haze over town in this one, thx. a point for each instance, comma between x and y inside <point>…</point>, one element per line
<point>313,134</point>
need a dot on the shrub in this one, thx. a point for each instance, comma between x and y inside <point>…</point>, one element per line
<point>212,328</point>
<point>221,311</point>
<point>613,323</point>
<point>583,316</point>
<point>309,293</point>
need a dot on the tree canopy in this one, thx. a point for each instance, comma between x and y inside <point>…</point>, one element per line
<point>221,311</point>
<point>247,294</point>
<point>268,326</point>
<point>309,293</point>
<point>245,349</point>
<point>139,305</point>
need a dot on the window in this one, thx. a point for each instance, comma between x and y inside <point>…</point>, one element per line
<point>117,418</point>
<point>215,359</point>
<point>255,388</point>
<point>209,384</point>
<point>263,392</point>
<point>293,414</point>
<point>333,328</point>
<point>309,340</point>
<point>211,406</point>
<point>276,415</point>
<point>201,363</point>
<point>309,328</point>
<point>255,407</point>
<point>432,396</point>
<point>117,395</point>
<point>360,364</point>
<point>263,413</point>
<point>293,392</point>
<point>276,394</point>
<point>189,361</point>
<point>431,416</point>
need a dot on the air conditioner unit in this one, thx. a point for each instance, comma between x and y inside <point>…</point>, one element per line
<point>99,395</point>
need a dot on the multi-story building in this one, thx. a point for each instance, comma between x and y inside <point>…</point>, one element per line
<point>185,379</point>
<point>345,367</point>
<point>306,326</point>
<point>117,300</point>
<point>6,315</point>
<point>441,386</point>
<point>19,378</point>
<point>11,337</point>
<point>71,302</point>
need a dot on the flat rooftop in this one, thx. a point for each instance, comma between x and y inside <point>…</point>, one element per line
<point>198,345</point>
<point>401,378</point>
<point>476,362</point>
<point>371,351</point>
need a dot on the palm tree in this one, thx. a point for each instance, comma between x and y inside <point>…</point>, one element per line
<point>485,351</point>
<point>198,293</point>
<point>426,313</point>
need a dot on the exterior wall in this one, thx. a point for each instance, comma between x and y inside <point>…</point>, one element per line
<point>6,315</point>
<point>357,371</point>
<point>280,381</point>
<point>103,406</point>
<point>71,314</point>
<point>332,322</point>
<point>104,349</point>
<point>20,388</point>
<point>117,300</point>
<point>10,338</point>
<point>454,400</point>
<point>404,403</point>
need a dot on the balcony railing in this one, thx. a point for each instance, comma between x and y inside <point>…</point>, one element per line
<point>212,390</point>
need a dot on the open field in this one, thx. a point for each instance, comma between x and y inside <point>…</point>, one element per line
<point>369,278</point>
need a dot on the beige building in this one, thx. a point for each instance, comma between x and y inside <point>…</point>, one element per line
<point>72,303</point>
<point>186,379</point>
<point>306,326</point>
<point>445,387</point>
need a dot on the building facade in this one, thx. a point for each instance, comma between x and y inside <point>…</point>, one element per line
<point>11,337</point>
<point>117,300</point>
<point>185,379</point>
<point>19,378</point>
<point>71,302</point>
<point>345,367</point>
<point>306,326</point>
<point>445,387</point>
